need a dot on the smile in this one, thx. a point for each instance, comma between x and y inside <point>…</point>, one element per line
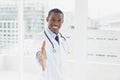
<point>55,27</point>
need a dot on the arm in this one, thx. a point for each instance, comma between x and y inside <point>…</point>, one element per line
<point>41,56</point>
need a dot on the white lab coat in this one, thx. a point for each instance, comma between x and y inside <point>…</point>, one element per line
<point>54,68</point>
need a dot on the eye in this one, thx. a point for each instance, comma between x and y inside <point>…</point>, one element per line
<point>53,20</point>
<point>59,20</point>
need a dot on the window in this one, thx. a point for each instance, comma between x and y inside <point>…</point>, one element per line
<point>19,23</point>
<point>103,31</point>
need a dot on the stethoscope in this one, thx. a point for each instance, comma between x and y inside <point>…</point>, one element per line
<point>54,50</point>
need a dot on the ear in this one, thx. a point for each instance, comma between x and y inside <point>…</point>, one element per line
<point>47,19</point>
<point>62,21</point>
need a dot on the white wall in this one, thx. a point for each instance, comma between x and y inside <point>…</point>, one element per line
<point>1,62</point>
<point>29,65</point>
<point>8,63</point>
<point>103,71</point>
<point>11,63</point>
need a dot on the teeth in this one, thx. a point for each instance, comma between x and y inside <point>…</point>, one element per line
<point>55,27</point>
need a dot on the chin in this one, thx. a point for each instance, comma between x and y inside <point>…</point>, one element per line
<point>56,32</point>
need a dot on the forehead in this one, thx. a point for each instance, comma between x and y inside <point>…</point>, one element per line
<point>55,15</point>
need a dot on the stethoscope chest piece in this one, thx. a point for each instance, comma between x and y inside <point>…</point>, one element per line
<point>54,50</point>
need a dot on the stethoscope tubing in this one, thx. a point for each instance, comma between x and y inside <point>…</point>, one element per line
<point>49,39</point>
<point>52,42</point>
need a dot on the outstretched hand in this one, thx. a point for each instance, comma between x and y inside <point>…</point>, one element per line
<point>43,56</point>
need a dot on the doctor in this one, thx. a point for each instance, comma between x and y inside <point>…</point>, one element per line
<point>52,47</point>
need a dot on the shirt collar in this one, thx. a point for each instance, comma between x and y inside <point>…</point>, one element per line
<point>50,32</point>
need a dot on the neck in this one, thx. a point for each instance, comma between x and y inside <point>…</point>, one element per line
<point>53,31</point>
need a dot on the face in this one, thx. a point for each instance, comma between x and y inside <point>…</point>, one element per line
<point>55,20</point>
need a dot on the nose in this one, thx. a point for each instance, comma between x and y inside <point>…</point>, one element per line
<point>56,23</point>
